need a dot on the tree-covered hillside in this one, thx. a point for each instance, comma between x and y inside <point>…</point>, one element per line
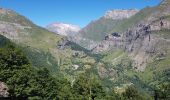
<point>26,82</point>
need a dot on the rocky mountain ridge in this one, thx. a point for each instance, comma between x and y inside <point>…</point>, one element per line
<point>120,13</point>
<point>96,30</point>
<point>139,42</point>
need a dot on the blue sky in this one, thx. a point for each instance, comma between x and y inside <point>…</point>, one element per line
<point>78,12</point>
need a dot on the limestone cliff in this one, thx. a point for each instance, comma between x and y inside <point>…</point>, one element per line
<point>140,41</point>
<point>120,14</point>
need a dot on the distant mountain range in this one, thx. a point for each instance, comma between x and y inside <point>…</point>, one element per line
<point>64,29</point>
<point>71,30</point>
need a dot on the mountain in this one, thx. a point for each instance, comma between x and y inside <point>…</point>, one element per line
<point>63,29</point>
<point>66,61</point>
<point>137,48</point>
<point>95,31</point>
<point>44,48</point>
<point>36,41</point>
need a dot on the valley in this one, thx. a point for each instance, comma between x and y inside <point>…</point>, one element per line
<point>124,52</point>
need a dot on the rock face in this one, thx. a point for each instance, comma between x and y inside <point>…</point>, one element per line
<point>64,29</point>
<point>3,90</point>
<point>142,46</point>
<point>120,14</point>
<point>3,11</point>
<point>63,43</point>
<point>113,40</point>
<point>11,30</point>
<point>13,26</point>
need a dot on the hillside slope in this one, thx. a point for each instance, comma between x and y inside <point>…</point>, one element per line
<point>95,31</point>
<point>44,48</point>
<point>139,54</point>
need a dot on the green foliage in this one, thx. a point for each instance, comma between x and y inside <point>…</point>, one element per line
<point>27,83</point>
<point>88,87</point>
<point>11,58</point>
<point>4,42</point>
<point>131,93</point>
<point>163,93</point>
<point>42,59</point>
<point>23,80</point>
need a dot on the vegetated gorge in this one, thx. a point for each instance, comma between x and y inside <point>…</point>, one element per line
<point>124,55</point>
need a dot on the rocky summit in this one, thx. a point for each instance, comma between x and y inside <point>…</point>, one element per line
<point>63,29</point>
<point>120,14</point>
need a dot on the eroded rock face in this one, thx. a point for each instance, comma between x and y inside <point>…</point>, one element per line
<point>142,46</point>
<point>5,11</point>
<point>120,14</point>
<point>3,90</point>
<point>63,43</point>
<point>110,41</point>
<point>160,24</point>
<point>11,30</point>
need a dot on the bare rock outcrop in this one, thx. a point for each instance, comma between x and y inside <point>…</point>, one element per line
<point>141,45</point>
<point>13,30</point>
<point>113,40</point>
<point>3,90</point>
<point>120,14</point>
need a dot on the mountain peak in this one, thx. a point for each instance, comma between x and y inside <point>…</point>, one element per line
<point>165,2</point>
<point>2,11</point>
<point>120,13</point>
<point>63,28</point>
<point>7,12</point>
<point>11,16</point>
